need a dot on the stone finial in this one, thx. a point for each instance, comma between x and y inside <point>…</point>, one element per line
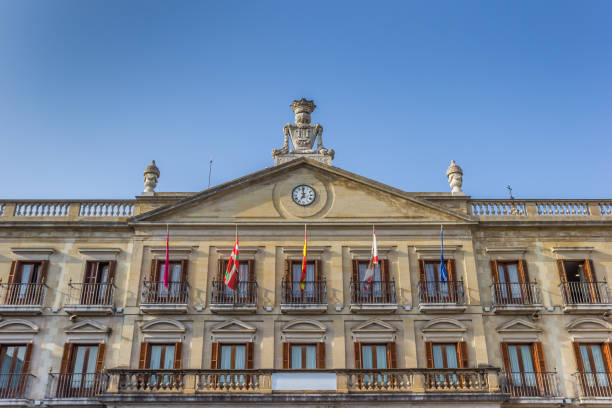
<point>151,174</point>
<point>455,178</point>
<point>303,136</point>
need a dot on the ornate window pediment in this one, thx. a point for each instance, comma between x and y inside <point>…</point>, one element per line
<point>303,330</point>
<point>163,330</point>
<point>588,324</point>
<point>519,330</point>
<point>17,331</point>
<point>233,331</point>
<point>444,330</point>
<point>364,252</point>
<point>375,330</point>
<point>87,331</point>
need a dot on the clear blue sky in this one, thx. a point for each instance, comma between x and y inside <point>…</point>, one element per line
<point>517,92</point>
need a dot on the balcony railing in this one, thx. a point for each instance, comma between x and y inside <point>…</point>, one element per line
<point>375,292</point>
<point>65,210</point>
<point>22,294</point>
<point>531,384</point>
<point>441,292</point>
<point>549,209</point>
<point>314,293</point>
<point>575,293</point>
<point>94,294</point>
<point>75,385</point>
<point>156,293</point>
<point>13,386</point>
<point>245,293</point>
<point>594,385</point>
<point>523,293</point>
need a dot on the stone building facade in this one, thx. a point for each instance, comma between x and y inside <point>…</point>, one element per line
<point>521,317</point>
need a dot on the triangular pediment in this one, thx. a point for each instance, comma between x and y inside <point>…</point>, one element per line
<point>267,196</point>
<point>87,327</point>
<point>518,325</point>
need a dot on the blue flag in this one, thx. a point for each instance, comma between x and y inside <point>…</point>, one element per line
<point>443,273</point>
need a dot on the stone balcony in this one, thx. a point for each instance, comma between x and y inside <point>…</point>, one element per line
<point>14,389</point>
<point>243,299</point>
<point>157,298</point>
<point>516,298</point>
<point>585,297</point>
<point>22,298</point>
<point>90,299</point>
<point>311,299</point>
<point>375,297</point>
<point>441,297</point>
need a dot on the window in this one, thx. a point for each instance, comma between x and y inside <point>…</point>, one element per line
<point>510,281</point>
<point>161,356</point>
<point>97,283</point>
<point>14,361</point>
<point>446,355</point>
<point>313,290</point>
<point>372,357</point>
<point>526,368</point>
<point>25,282</point>
<point>232,357</point>
<point>303,356</point>
<point>80,369</point>
<point>595,365</point>
<point>177,281</point>
<point>434,288</point>
<point>378,289</point>
<point>246,282</point>
<point>578,281</point>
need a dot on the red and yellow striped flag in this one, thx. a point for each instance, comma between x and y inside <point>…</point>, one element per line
<point>303,276</point>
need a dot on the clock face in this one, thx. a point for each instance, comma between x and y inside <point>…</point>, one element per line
<point>303,195</point>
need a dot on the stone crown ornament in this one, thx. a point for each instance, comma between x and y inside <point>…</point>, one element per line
<point>151,174</point>
<point>303,135</point>
<point>455,178</point>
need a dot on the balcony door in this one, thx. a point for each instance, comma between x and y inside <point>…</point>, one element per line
<point>176,292</point>
<point>229,357</point>
<point>595,366</point>
<point>14,366</point>
<point>526,368</point>
<point>377,290</point>
<point>99,276</point>
<point>161,356</point>
<point>374,356</point>
<point>578,281</point>
<point>510,282</point>
<point>312,291</point>
<point>435,289</point>
<point>445,355</point>
<point>246,281</point>
<point>80,370</point>
<point>25,282</point>
<point>306,356</point>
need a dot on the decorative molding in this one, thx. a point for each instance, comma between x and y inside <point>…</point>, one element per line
<point>303,330</point>
<point>364,252</point>
<point>518,326</point>
<point>375,330</point>
<point>175,252</point>
<point>444,325</point>
<point>296,252</point>
<point>562,250</point>
<point>87,327</point>
<point>162,326</point>
<point>246,253</point>
<point>34,253</point>
<point>506,251</point>
<point>102,253</point>
<point>22,327</point>
<point>588,325</point>
<point>232,331</point>
<point>430,251</point>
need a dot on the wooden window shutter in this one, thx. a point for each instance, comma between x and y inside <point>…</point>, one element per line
<point>452,271</point>
<point>286,353</point>
<point>220,270</point>
<point>321,355</point>
<point>252,277</point>
<point>538,357</point>
<point>184,270</point>
<point>318,273</point>
<point>429,354</point>
<point>178,355</point>
<point>288,278</point>
<point>112,267</point>
<point>590,272</point>
<point>391,355</point>
<point>576,347</point>
<point>13,272</point>
<point>357,350</point>
<point>25,369</point>
<point>422,276</point>
<point>494,272</point>
<point>214,355</point>
<point>100,359</point>
<point>66,358</point>
<point>561,268</point>
<point>44,268</point>
<point>154,270</point>
<point>607,352</point>
<point>384,270</point>
<point>462,356</point>
<point>522,270</point>
<point>144,355</point>
<point>249,355</point>
<point>505,356</point>
<point>355,264</point>
<point>90,272</point>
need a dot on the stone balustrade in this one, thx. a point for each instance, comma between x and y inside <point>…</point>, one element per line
<point>65,210</point>
<point>540,209</point>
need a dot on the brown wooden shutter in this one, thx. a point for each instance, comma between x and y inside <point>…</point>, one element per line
<point>494,272</point>
<point>288,278</point>
<point>154,276</point>
<point>44,268</point>
<point>67,358</point>
<point>90,272</point>
<point>144,355</point>
<point>112,267</point>
<point>429,354</point>
<point>452,270</point>
<point>251,275</point>
<point>384,270</point>
<point>522,270</point>
<point>607,352</point>
<point>249,355</point>
<point>321,355</point>
<point>100,359</point>
<point>355,264</point>
<point>286,352</point>
<point>13,272</point>
<point>505,356</point>
<point>590,272</point>
<point>357,350</point>
<point>318,272</point>
<point>220,270</point>
<point>184,270</point>
<point>422,276</point>
<point>25,369</point>
<point>576,347</point>
<point>178,355</point>
<point>561,268</point>
<point>538,357</point>
<point>391,355</point>
<point>462,356</point>
<point>214,355</point>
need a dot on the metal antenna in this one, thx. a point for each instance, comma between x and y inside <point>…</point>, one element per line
<point>509,188</point>
<point>209,171</point>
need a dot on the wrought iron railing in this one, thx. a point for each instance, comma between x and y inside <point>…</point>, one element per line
<point>375,292</point>
<point>313,292</point>
<point>441,292</point>
<point>157,293</point>
<point>98,294</point>
<point>594,385</point>
<point>14,385</point>
<point>515,293</point>
<point>245,293</point>
<point>584,292</point>
<point>531,384</point>
<point>23,294</point>
<point>76,385</point>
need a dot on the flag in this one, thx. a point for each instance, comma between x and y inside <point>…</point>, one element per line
<point>231,272</point>
<point>167,264</point>
<point>373,262</point>
<point>443,273</point>
<point>303,276</point>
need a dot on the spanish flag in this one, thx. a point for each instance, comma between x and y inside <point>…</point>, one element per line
<point>303,276</point>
